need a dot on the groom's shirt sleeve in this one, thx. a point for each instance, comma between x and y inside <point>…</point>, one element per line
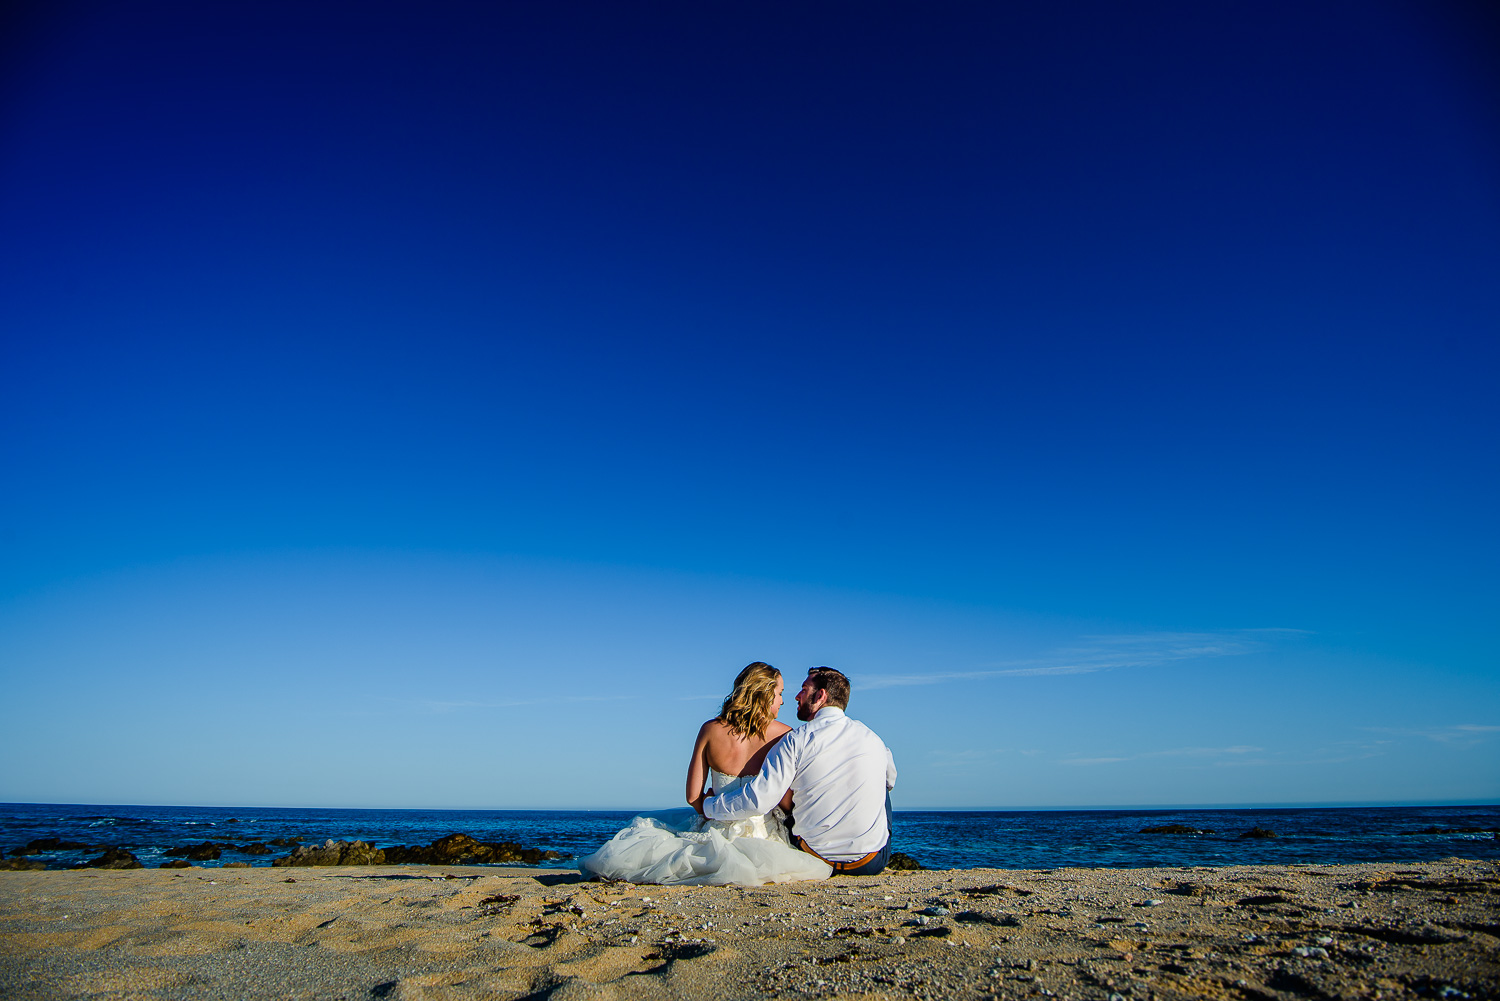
<point>890,770</point>
<point>761,794</point>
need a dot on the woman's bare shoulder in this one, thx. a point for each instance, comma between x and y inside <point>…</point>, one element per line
<point>714,731</point>
<point>776,729</point>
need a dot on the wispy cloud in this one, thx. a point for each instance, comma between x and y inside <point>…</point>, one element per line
<point>1192,752</point>
<point>1463,734</point>
<point>444,706</point>
<point>1098,653</point>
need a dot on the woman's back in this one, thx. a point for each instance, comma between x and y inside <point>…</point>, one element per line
<point>740,754</point>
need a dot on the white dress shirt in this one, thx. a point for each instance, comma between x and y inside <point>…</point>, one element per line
<point>838,771</point>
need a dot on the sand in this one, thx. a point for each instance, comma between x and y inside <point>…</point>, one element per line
<point>418,932</point>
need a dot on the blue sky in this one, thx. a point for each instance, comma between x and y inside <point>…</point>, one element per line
<point>437,405</point>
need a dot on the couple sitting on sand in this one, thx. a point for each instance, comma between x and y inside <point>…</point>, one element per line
<point>782,804</point>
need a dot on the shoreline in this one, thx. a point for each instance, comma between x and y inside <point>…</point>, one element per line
<point>504,934</point>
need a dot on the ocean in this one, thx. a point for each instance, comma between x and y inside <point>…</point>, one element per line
<point>1019,839</point>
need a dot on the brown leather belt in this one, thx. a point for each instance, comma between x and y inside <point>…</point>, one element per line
<point>838,866</point>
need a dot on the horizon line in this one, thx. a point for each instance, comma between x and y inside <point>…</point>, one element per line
<point>1108,808</point>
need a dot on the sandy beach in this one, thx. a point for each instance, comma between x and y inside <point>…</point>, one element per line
<point>427,932</point>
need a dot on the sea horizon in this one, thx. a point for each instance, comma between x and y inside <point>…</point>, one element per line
<point>966,838</point>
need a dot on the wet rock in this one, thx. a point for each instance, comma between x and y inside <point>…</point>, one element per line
<point>1174,829</point>
<point>1258,832</point>
<point>21,864</point>
<point>901,860</point>
<point>49,845</point>
<point>457,849</point>
<point>181,863</point>
<point>332,852</point>
<point>285,842</point>
<point>205,852</point>
<point>255,848</point>
<point>236,865</point>
<point>113,858</point>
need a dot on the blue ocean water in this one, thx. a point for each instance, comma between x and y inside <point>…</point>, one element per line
<point>938,839</point>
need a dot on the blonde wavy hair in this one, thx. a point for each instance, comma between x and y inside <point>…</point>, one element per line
<point>747,709</point>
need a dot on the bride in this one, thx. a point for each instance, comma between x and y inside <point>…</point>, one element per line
<point>729,750</point>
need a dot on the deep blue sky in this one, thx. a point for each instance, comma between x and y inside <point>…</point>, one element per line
<point>483,357</point>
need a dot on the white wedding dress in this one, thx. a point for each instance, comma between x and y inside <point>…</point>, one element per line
<point>696,851</point>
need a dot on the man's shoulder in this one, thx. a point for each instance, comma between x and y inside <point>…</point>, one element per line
<point>841,724</point>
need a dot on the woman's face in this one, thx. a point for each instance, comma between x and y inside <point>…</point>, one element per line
<point>776,700</point>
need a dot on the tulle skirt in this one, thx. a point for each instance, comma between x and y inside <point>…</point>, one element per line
<point>702,853</point>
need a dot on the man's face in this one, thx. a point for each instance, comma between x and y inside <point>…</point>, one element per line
<point>810,700</point>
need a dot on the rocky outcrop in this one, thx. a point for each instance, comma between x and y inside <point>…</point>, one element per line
<point>113,858</point>
<point>459,849</point>
<point>332,852</point>
<point>207,851</point>
<point>1175,829</point>
<point>19,864</point>
<point>181,863</point>
<point>1258,832</point>
<point>255,848</point>
<point>455,849</point>
<point>901,860</point>
<point>50,845</point>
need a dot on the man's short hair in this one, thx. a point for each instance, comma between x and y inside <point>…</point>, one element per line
<point>832,682</point>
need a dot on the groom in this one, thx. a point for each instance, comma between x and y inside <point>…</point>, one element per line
<point>838,774</point>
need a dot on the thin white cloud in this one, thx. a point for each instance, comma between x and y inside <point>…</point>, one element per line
<point>1465,734</point>
<point>1098,653</point>
<point>1202,751</point>
<point>442,706</point>
<point>967,756</point>
<point>1192,752</point>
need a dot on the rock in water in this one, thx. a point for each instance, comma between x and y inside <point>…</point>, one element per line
<point>204,852</point>
<point>1258,832</point>
<point>457,849</point>
<point>1174,829</point>
<point>113,858</point>
<point>19,864</point>
<point>332,852</point>
<point>49,845</point>
<point>901,860</point>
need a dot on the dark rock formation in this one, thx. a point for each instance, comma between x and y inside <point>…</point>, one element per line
<point>236,865</point>
<point>181,863</point>
<point>458,849</point>
<point>1174,829</point>
<point>198,853</point>
<point>18,864</point>
<point>332,852</point>
<point>901,860</point>
<point>285,842</point>
<point>49,845</point>
<point>256,848</point>
<point>113,858</point>
<point>455,849</point>
<point>1258,832</point>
